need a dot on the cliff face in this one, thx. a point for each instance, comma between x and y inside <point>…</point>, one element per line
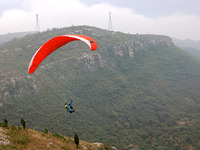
<point>17,87</point>
<point>131,46</point>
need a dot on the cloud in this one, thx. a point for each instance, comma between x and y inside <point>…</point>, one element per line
<point>179,25</point>
<point>62,13</point>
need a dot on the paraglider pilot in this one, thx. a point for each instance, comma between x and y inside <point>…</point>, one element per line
<point>69,107</point>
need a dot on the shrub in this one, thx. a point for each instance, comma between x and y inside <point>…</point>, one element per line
<point>46,131</point>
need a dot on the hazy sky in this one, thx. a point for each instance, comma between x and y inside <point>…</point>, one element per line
<point>175,18</point>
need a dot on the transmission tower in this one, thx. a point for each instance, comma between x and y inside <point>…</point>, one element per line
<point>110,23</point>
<point>37,24</point>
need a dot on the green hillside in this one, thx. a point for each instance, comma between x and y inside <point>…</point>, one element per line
<point>133,92</point>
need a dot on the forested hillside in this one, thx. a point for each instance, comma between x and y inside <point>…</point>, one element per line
<point>133,92</point>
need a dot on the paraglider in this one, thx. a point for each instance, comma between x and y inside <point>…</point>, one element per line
<point>69,107</point>
<point>55,43</point>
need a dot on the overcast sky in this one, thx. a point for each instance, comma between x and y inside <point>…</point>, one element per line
<point>175,18</point>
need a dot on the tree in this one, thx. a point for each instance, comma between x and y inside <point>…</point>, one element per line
<point>76,140</point>
<point>5,124</point>
<point>23,122</point>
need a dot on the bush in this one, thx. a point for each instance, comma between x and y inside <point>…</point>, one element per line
<point>59,136</point>
<point>21,139</point>
<point>46,131</point>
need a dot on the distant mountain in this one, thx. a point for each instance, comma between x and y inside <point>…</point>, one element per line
<point>190,46</point>
<point>187,43</point>
<point>193,51</point>
<point>10,36</point>
<point>133,92</point>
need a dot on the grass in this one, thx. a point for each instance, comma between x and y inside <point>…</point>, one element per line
<point>35,140</point>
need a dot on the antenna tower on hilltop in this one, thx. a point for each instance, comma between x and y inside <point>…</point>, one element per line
<point>37,24</point>
<point>110,23</point>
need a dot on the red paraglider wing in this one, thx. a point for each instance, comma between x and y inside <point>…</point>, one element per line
<point>55,43</point>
